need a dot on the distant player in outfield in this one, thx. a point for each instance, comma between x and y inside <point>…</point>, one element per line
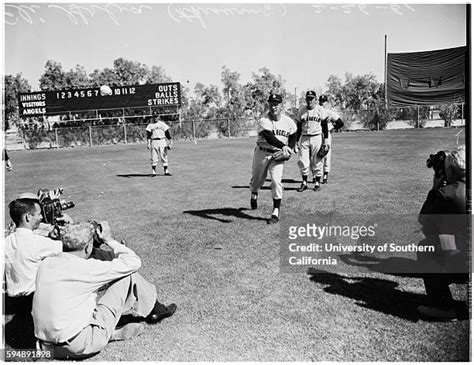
<point>276,132</point>
<point>159,142</point>
<point>335,124</point>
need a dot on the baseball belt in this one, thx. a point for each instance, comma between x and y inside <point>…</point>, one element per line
<point>156,139</point>
<point>47,343</point>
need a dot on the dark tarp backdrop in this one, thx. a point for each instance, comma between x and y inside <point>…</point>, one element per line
<point>427,78</point>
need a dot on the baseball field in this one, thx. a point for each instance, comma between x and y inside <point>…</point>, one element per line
<point>219,261</point>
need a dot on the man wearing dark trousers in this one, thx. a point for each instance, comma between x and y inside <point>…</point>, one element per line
<point>444,224</point>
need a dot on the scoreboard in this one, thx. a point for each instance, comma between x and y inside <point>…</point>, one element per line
<point>64,101</point>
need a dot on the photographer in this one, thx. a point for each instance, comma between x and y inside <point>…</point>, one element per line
<point>25,249</point>
<point>444,224</point>
<point>67,316</point>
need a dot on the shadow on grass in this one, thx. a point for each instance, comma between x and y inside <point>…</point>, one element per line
<point>376,294</point>
<point>288,181</point>
<point>228,212</point>
<point>136,175</point>
<point>397,266</point>
<point>262,188</point>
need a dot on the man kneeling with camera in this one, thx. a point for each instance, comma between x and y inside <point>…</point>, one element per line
<point>68,317</point>
<point>444,223</point>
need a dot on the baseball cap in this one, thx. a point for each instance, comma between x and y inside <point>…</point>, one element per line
<point>310,94</point>
<point>323,98</point>
<point>28,196</point>
<point>276,98</point>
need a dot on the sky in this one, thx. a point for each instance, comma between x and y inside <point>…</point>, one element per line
<point>304,43</point>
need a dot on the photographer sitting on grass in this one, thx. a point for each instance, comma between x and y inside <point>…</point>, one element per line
<point>444,220</point>
<point>25,249</point>
<point>68,318</point>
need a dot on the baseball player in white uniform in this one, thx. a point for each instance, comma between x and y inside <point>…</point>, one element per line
<point>159,142</point>
<point>275,132</point>
<point>312,134</point>
<point>335,124</point>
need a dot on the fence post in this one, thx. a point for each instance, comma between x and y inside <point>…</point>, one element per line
<point>417,116</point>
<point>194,130</point>
<point>462,115</point>
<point>56,135</point>
<point>125,132</point>
<point>22,136</point>
<point>90,136</point>
<point>228,128</point>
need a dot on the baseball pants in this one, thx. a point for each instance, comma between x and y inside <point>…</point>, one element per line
<point>327,158</point>
<point>308,155</point>
<point>159,152</point>
<point>129,295</point>
<point>262,165</point>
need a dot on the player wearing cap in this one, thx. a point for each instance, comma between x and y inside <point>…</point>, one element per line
<point>159,142</point>
<point>312,134</point>
<point>275,132</point>
<point>335,124</point>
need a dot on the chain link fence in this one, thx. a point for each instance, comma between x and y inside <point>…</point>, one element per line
<point>126,128</point>
<point>405,117</point>
<point>43,136</point>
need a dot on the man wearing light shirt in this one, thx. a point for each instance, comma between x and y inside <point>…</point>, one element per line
<point>25,250</point>
<point>67,316</point>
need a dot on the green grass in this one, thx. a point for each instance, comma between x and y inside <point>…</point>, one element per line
<point>219,261</point>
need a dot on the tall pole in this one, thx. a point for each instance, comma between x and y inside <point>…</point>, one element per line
<point>385,74</point>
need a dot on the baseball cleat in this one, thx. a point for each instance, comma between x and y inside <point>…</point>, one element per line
<point>273,219</point>
<point>253,204</point>
<point>159,314</point>
<point>167,174</point>
<point>325,178</point>
<point>153,174</point>
<point>303,187</point>
<point>317,187</point>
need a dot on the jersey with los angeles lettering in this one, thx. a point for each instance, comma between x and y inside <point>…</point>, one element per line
<point>157,129</point>
<point>281,129</point>
<point>310,120</point>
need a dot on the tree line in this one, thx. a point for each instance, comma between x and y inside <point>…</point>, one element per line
<point>356,97</point>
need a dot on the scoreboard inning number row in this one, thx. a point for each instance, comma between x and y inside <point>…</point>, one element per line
<point>105,97</point>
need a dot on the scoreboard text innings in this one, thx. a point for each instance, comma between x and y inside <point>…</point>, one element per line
<point>63,101</point>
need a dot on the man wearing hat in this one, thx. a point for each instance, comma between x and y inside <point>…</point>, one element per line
<point>312,134</point>
<point>276,132</point>
<point>444,223</point>
<point>25,250</point>
<point>159,142</point>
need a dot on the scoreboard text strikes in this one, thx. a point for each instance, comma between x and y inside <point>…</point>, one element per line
<point>63,101</point>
